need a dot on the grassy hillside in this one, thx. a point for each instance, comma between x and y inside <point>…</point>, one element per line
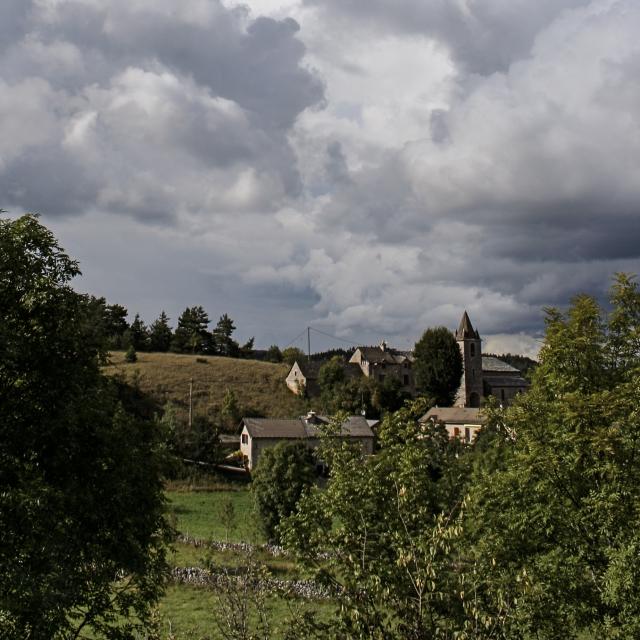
<point>259,387</point>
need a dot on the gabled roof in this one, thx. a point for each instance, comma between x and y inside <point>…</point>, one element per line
<point>303,427</point>
<point>386,356</point>
<point>489,363</point>
<point>274,428</point>
<point>454,415</point>
<point>465,329</point>
<point>516,382</point>
<point>309,369</point>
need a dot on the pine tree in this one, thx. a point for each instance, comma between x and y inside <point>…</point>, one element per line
<point>191,335</point>
<point>225,345</point>
<point>160,334</point>
<point>139,334</point>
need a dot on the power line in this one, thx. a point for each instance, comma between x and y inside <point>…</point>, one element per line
<point>328,335</point>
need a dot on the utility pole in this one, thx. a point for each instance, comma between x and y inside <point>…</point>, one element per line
<point>190,402</point>
<point>309,344</point>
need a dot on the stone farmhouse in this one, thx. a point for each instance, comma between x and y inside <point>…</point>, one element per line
<point>257,434</point>
<point>372,362</point>
<point>381,362</point>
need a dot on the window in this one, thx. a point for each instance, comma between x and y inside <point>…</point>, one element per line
<point>405,380</point>
<point>245,438</point>
<point>472,350</point>
<point>467,434</point>
<point>456,432</point>
<point>502,395</point>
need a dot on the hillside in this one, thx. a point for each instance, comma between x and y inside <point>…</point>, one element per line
<point>259,387</point>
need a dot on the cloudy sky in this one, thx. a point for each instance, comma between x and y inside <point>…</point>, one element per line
<point>369,167</point>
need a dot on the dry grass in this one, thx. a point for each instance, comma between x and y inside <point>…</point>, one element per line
<point>259,387</point>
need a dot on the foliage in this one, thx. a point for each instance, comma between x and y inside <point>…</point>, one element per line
<point>160,334</point>
<point>284,472</point>
<point>198,441</point>
<point>225,345</point>
<point>554,527</point>
<point>291,354</point>
<point>131,355</point>
<point>274,354</point>
<point>438,365</point>
<point>83,536</point>
<point>246,350</point>
<point>388,527</point>
<point>191,335</point>
<point>525,365</point>
<point>230,411</point>
<point>339,392</point>
<point>138,334</point>
<point>242,609</point>
<point>227,516</point>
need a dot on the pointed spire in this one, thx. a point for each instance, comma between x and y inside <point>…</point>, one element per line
<point>465,330</point>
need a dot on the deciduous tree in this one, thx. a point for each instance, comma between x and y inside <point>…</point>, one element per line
<point>283,473</point>
<point>438,365</point>
<point>81,508</point>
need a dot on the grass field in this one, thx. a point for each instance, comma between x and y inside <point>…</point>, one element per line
<point>259,387</point>
<point>198,514</point>
<point>189,613</point>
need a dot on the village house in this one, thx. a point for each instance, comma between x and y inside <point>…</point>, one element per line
<point>256,434</point>
<point>382,362</point>
<point>460,422</point>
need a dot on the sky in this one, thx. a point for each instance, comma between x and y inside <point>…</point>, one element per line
<point>369,168</point>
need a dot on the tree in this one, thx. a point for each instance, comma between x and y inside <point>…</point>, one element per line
<point>138,334</point>
<point>246,350</point>
<point>225,345</point>
<point>81,506</point>
<point>555,527</point>
<point>438,365</point>
<point>230,411</point>
<point>131,355</point>
<point>274,354</point>
<point>115,324</point>
<point>384,532</point>
<point>283,474</point>
<point>191,335</point>
<point>293,354</point>
<point>160,334</point>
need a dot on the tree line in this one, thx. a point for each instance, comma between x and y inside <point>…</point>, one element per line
<point>191,335</point>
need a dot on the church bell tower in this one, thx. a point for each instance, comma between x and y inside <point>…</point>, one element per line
<point>471,388</point>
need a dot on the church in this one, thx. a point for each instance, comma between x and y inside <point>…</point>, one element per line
<point>484,376</point>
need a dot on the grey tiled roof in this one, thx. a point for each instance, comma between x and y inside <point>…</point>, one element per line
<point>505,381</point>
<point>386,356</point>
<point>273,428</point>
<point>297,428</point>
<point>489,363</point>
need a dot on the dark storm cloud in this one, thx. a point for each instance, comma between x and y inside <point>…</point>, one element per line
<point>484,36</point>
<point>131,97</point>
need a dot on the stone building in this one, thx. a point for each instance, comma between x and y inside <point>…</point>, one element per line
<point>382,362</point>
<point>257,434</point>
<point>484,376</point>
